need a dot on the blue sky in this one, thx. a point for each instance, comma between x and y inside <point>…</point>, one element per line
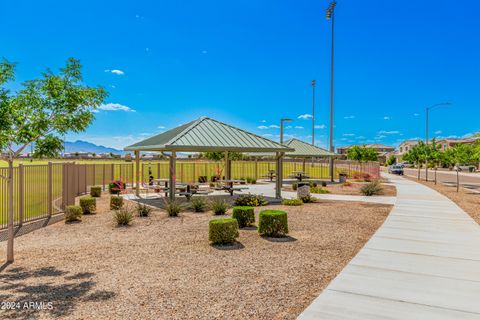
<point>250,62</point>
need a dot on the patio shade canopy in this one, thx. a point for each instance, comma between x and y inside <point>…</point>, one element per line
<point>301,150</point>
<point>206,134</point>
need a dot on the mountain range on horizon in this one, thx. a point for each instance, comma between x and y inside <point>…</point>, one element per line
<point>85,146</point>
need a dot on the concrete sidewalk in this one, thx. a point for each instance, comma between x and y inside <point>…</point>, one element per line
<point>423,263</point>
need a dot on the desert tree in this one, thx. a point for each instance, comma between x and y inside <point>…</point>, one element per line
<point>39,114</point>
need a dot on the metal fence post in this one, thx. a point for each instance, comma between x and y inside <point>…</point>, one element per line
<point>103,177</point>
<point>49,190</point>
<point>21,193</point>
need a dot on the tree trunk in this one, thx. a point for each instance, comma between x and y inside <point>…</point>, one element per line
<point>418,176</point>
<point>458,181</point>
<point>10,231</point>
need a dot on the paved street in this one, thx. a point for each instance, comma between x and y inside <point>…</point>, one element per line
<point>449,177</point>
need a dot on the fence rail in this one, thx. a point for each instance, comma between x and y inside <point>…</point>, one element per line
<point>41,191</point>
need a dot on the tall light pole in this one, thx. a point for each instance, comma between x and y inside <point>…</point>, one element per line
<point>281,127</point>
<point>331,16</point>
<point>313,112</point>
<point>427,109</point>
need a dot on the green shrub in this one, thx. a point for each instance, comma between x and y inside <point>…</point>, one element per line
<point>219,206</point>
<point>88,204</point>
<point>123,216</point>
<point>223,231</point>
<point>308,199</point>
<point>251,180</point>
<point>73,213</point>
<point>292,202</point>
<point>324,184</point>
<point>294,186</point>
<point>173,208</point>
<point>244,215</point>
<point>318,190</point>
<point>313,184</point>
<point>199,204</point>
<point>273,223</point>
<point>96,191</point>
<point>116,202</point>
<point>371,188</point>
<point>143,210</point>
<point>251,200</point>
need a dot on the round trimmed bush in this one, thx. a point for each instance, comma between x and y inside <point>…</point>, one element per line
<point>116,202</point>
<point>223,231</point>
<point>96,191</point>
<point>244,215</point>
<point>273,223</point>
<point>73,213</point>
<point>88,204</point>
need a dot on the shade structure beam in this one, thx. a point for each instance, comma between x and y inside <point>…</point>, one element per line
<point>279,174</point>
<point>172,179</point>
<point>137,173</point>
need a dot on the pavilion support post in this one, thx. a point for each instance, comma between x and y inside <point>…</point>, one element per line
<point>228,170</point>
<point>279,174</point>
<point>137,173</point>
<point>172,176</point>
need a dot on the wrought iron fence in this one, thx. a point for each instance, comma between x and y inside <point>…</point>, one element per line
<point>40,191</point>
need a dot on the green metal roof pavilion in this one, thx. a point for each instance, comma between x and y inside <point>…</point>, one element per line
<point>206,134</point>
<point>302,149</point>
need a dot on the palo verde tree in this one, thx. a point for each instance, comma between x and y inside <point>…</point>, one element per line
<point>362,154</point>
<point>40,113</point>
<point>416,155</point>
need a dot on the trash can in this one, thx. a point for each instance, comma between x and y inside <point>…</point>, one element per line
<point>303,190</point>
<point>342,177</point>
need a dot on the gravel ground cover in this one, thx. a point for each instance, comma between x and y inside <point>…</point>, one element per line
<point>164,268</point>
<point>466,199</point>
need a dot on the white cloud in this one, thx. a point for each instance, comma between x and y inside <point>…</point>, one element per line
<point>274,126</point>
<point>115,107</point>
<point>204,52</point>
<point>360,137</point>
<point>262,127</point>
<point>267,135</point>
<point>263,121</point>
<point>349,117</point>
<point>416,114</point>
<point>298,127</point>
<point>305,116</point>
<point>386,118</point>
<point>389,132</point>
<point>348,134</point>
<point>320,126</point>
<point>438,132</point>
<point>161,127</point>
<point>380,137</point>
<point>115,71</point>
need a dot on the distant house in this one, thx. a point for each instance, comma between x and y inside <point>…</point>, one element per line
<point>446,144</point>
<point>404,147</point>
